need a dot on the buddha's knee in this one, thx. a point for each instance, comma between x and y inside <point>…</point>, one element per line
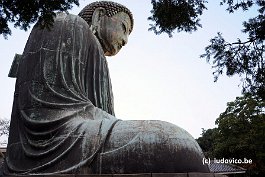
<point>150,146</point>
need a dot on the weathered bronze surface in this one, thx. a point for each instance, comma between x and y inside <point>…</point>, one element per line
<point>14,68</point>
<point>63,116</point>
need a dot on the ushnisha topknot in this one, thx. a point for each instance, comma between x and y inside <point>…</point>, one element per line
<point>112,8</point>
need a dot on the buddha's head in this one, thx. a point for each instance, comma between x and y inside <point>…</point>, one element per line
<point>110,22</point>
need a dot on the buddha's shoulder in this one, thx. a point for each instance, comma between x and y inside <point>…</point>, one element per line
<point>71,22</point>
<point>61,16</point>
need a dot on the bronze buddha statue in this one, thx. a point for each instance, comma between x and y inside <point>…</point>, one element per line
<point>63,115</point>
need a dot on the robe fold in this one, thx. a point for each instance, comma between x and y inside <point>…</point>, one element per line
<point>63,105</point>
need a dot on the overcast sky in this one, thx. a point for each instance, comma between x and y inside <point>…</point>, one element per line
<point>155,77</point>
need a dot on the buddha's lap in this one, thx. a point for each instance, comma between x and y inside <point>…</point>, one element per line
<point>150,146</point>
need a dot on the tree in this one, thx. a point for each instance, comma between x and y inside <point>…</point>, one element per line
<point>206,141</point>
<point>240,134</point>
<point>182,15</point>
<point>243,58</point>
<point>25,12</point>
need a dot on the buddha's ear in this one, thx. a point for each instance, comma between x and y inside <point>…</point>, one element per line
<point>97,15</point>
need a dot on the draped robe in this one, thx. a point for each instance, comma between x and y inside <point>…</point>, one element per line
<point>63,119</point>
<point>63,105</point>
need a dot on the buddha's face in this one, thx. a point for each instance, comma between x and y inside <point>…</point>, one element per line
<point>113,32</point>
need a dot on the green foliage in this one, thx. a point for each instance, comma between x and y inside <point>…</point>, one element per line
<point>240,134</point>
<point>181,15</point>
<point>243,58</point>
<point>243,4</point>
<point>25,12</point>
<point>206,141</point>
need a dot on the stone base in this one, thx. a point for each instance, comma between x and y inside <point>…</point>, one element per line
<point>131,175</point>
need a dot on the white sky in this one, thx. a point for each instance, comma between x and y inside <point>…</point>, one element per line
<point>155,77</point>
